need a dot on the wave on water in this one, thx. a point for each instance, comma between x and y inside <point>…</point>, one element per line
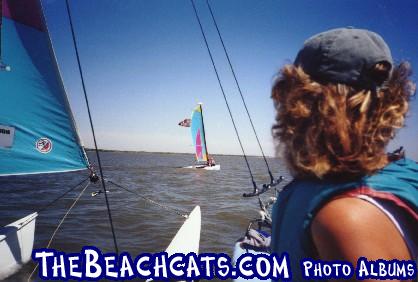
<point>139,225</point>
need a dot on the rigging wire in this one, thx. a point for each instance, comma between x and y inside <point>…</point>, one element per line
<point>92,128</point>
<point>177,211</point>
<point>59,225</point>
<point>223,93</point>
<point>239,89</point>
<point>61,196</point>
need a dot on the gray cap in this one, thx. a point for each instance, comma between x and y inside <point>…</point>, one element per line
<point>344,55</point>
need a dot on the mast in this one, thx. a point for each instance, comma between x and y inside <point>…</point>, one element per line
<point>204,135</point>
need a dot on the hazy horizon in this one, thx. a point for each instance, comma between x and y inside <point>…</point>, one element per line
<point>180,153</point>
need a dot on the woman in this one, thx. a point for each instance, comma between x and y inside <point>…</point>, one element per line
<point>338,106</point>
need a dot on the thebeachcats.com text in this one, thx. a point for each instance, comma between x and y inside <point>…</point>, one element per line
<point>92,264</point>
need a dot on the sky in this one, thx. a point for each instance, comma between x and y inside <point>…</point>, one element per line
<point>146,66</point>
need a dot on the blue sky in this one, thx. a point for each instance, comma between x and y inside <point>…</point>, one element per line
<point>146,65</point>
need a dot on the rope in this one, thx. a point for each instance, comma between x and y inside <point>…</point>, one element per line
<point>60,197</point>
<point>59,225</point>
<point>239,90</point>
<point>92,128</point>
<point>223,93</point>
<point>177,211</point>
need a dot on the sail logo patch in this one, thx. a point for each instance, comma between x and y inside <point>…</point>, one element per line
<point>7,135</point>
<point>44,145</point>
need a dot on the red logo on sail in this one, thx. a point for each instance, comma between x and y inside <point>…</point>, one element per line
<point>198,145</point>
<point>44,145</point>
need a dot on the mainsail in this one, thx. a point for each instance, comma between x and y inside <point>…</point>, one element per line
<point>37,129</point>
<point>198,134</point>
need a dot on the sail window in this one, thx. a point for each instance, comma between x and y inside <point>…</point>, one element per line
<point>7,134</point>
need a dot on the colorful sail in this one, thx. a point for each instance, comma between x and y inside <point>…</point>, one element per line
<point>198,135</point>
<point>37,130</point>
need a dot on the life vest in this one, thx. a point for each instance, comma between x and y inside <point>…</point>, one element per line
<point>300,200</point>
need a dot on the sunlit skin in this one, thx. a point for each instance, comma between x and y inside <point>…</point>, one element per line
<point>349,228</point>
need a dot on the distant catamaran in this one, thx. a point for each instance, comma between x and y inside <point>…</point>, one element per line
<point>203,160</point>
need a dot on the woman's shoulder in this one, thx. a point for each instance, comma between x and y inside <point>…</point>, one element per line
<point>348,228</point>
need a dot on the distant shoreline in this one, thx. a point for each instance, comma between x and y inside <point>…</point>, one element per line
<point>171,153</point>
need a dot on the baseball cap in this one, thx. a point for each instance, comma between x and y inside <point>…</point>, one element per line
<point>345,55</point>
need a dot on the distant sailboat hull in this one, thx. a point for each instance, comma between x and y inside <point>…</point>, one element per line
<point>16,244</point>
<point>205,167</point>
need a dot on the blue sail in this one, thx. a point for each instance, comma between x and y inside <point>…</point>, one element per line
<point>37,129</point>
<point>198,135</point>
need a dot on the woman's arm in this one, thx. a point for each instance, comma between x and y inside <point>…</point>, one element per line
<point>349,228</point>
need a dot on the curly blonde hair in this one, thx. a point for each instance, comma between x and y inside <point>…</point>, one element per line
<point>335,130</point>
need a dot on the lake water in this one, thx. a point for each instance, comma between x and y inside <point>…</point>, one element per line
<point>139,226</point>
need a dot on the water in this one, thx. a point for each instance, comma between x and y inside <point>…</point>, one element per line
<point>139,226</point>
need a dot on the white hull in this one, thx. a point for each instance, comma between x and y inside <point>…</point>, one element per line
<point>16,244</point>
<point>187,239</point>
<point>205,167</point>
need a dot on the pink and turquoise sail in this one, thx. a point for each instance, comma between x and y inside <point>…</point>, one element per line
<point>198,134</point>
<point>37,129</point>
